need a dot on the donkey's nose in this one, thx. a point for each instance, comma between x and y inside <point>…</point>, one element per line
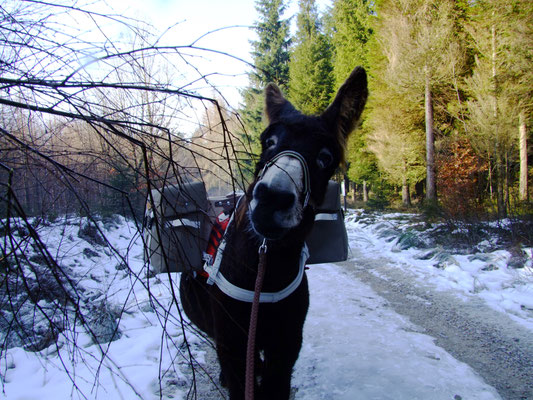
<point>272,198</point>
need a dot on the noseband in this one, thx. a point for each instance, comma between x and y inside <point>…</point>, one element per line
<point>305,168</point>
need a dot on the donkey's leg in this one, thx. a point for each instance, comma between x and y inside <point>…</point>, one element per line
<point>283,343</point>
<point>232,356</point>
<point>278,366</point>
<point>231,319</point>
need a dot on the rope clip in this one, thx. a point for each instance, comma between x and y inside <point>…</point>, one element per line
<point>263,247</point>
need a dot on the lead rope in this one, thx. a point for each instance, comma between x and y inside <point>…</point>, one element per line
<point>250,350</point>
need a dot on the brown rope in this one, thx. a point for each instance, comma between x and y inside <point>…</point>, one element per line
<point>250,350</point>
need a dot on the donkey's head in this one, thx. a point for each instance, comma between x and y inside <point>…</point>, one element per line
<point>299,155</point>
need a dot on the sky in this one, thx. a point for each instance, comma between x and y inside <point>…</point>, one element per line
<point>229,22</point>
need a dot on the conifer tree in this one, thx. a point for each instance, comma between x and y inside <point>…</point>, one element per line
<point>422,48</point>
<point>271,59</point>
<point>350,29</point>
<point>310,69</point>
<point>501,89</point>
<point>396,137</point>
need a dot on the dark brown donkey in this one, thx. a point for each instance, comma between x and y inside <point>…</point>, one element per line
<point>299,155</point>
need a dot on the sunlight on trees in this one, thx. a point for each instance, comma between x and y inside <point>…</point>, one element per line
<point>95,112</point>
<point>310,68</point>
<point>440,71</point>
<point>500,89</point>
<point>423,53</point>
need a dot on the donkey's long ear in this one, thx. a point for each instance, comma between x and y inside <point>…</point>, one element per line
<point>276,105</point>
<point>342,115</point>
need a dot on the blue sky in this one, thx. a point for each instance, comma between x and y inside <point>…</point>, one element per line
<point>191,19</point>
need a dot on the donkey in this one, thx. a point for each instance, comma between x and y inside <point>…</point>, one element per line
<point>299,155</point>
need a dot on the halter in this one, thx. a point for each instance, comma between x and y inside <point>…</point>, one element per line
<point>305,168</point>
<point>216,276</point>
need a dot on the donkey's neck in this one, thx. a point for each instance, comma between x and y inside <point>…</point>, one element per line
<point>241,256</point>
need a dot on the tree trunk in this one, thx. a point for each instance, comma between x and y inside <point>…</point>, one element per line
<point>406,195</point>
<point>491,185</point>
<point>523,191</point>
<point>500,183</point>
<point>431,193</point>
<point>499,167</point>
<point>27,194</point>
<point>507,184</point>
<point>365,192</point>
<point>346,190</point>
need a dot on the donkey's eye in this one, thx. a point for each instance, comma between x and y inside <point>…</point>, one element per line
<point>324,159</point>
<point>271,142</point>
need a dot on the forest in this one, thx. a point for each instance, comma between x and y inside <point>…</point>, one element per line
<point>99,107</point>
<point>449,113</point>
<point>446,128</point>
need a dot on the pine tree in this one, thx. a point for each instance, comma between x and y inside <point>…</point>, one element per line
<point>363,165</point>
<point>501,90</point>
<point>271,59</point>
<point>351,31</point>
<point>271,51</point>
<point>396,137</point>
<point>420,42</point>
<point>310,69</point>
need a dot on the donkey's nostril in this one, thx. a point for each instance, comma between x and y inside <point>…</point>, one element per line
<point>276,199</point>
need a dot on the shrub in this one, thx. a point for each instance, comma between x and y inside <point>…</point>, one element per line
<point>459,172</point>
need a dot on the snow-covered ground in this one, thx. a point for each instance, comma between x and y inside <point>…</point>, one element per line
<point>480,272</point>
<point>355,346</point>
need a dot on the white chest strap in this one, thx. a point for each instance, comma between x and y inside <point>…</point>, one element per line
<point>216,277</point>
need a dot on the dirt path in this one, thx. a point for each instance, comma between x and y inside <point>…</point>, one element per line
<point>497,348</point>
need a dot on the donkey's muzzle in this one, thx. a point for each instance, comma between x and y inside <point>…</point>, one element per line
<point>279,196</point>
<point>271,211</point>
<point>274,199</point>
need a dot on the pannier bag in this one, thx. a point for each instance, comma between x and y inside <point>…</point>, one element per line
<point>185,216</point>
<point>182,213</point>
<point>328,240</point>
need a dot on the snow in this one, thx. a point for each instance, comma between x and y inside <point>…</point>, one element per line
<point>355,345</point>
<point>483,273</point>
